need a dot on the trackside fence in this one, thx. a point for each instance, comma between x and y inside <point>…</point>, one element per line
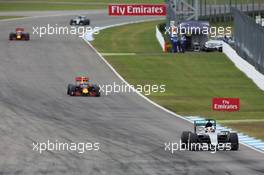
<point>249,39</point>
<point>212,10</point>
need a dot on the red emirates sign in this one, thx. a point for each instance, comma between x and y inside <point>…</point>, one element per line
<point>226,104</point>
<point>137,10</point>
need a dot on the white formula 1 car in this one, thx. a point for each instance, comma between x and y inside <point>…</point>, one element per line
<point>206,133</point>
<point>80,20</point>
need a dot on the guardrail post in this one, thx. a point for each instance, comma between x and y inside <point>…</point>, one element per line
<point>196,10</point>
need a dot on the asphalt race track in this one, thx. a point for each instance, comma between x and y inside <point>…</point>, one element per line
<point>34,107</point>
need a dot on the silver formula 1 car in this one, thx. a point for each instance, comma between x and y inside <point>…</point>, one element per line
<point>206,133</point>
<point>80,20</point>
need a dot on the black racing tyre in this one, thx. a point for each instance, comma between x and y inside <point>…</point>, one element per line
<point>70,89</point>
<point>12,36</point>
<point>27,37</point>
<point>72,22</point>
<point>193,140</point>
<point>185,138</point>
<point>233,138</point>
<point>96,89</point>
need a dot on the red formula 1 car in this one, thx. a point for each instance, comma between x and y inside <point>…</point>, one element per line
<point>19,35</point>
<point>83,88</point>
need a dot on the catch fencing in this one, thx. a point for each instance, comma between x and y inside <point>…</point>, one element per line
<point>212,10</point>
<point>249,39</point>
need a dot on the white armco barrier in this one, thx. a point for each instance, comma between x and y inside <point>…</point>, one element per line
<point>160,39</point>
<point>244,66</point>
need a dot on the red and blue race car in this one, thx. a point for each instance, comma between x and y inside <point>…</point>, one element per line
<point>82,87</point>
<point>19,35</point>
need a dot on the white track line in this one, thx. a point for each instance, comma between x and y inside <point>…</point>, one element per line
<point>144,97</point>
<point>118,54</point>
